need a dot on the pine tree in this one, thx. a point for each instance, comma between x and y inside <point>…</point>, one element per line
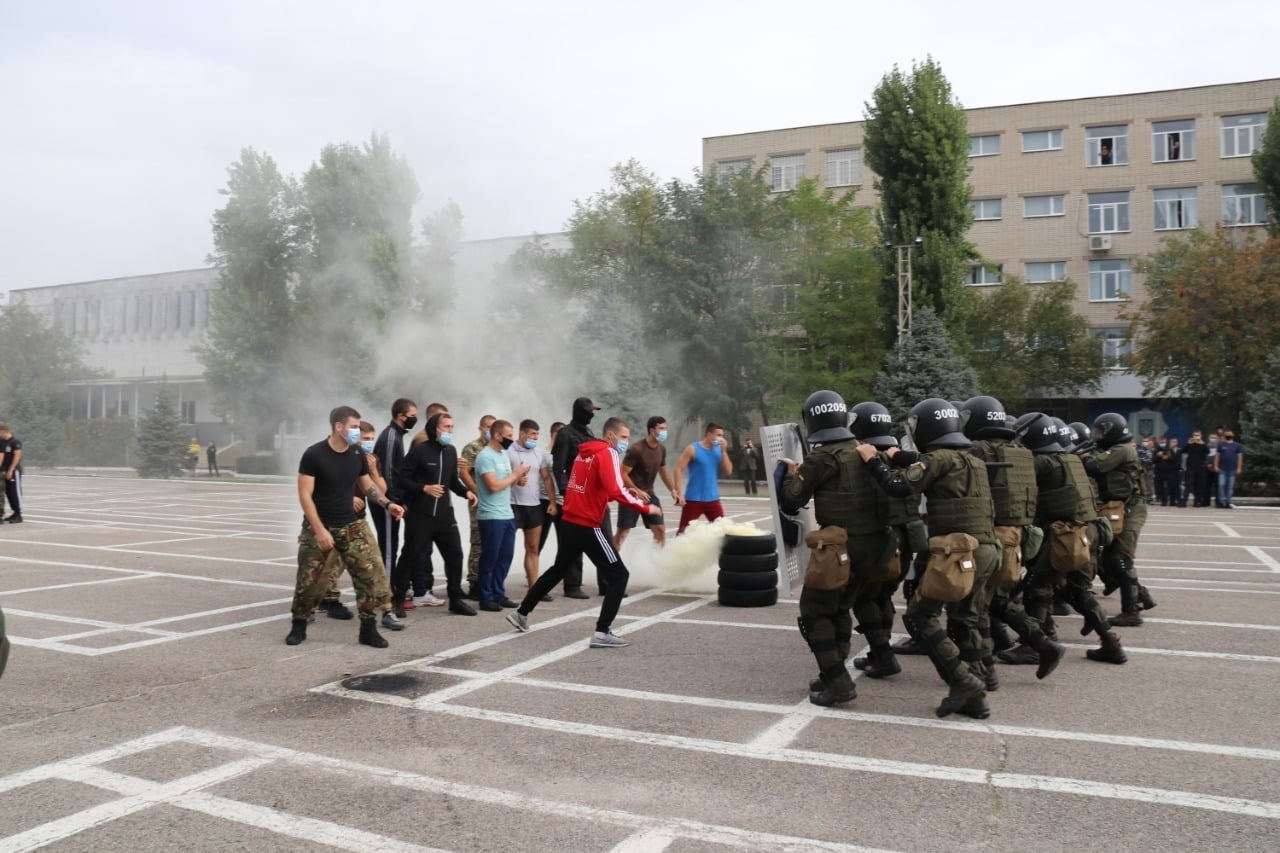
<point>925,364</point>
<point>1262,427</point>
<point>162,439</point>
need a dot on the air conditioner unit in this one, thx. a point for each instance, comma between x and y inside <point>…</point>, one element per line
<point>1100,243</point>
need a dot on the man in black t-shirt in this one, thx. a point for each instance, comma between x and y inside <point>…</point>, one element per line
<point>328,473</point>
<point>11,471</point>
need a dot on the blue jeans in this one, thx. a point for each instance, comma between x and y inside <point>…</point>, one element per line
<point>497,548</point>
<point>1226,487</point>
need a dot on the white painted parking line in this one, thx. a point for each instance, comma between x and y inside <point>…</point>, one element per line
<point>1225,528</point>
<point>1263,557</point>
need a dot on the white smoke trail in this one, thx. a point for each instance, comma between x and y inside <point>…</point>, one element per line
<point>688,563</point>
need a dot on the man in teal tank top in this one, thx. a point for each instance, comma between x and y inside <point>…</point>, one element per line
<point>705,461</point>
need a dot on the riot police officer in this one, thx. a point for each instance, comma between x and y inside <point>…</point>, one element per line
<point>1012,473</point>
<point>1065,494</point>
<point>844,496</point>
<point>873,609</point>
<point>958,496</point>
<point>1115,467</point>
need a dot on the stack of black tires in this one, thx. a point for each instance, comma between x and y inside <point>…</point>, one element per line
<point>748,570</point>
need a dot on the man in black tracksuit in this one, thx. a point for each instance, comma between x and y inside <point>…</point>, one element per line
<point>423,482</point>
<point>563,452</point>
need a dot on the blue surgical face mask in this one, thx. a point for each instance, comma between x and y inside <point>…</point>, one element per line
<point>530,444</point>
<point>445,438</point>
<point>717,441</point>
<point>353,436</point>
<point>367,446</point>
<point>621,446</point>
<point>488,436</point>
<point>662,435</point>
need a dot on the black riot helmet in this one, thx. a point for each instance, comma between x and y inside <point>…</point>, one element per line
<point>826,418</point>
<point>1038,433</point>
<point>936,423</point>
<point>872,423</point>
<point>1110,429</point>
<point>1065,436</point>
<point>1079,433</point>
<point>984,417</point>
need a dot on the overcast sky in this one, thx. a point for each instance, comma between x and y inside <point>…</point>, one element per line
<point>120,118</point>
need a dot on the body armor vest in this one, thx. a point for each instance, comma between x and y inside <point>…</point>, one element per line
<point>970,513</point>
<point>1071,501</point>
<point>1013,490</point>
<point>854,500</point>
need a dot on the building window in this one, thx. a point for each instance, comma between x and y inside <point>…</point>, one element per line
<point>987,208</point>
<point>1109,280</point>
<point>1108,212</point>
<point>985,274</point>
<point>1044,205</point>
<point>787,171</point>
<point>177,312</point>
<point>1107,146</point>
<point>1241,135</point>
<point>1243,204</point>
<point>1116,346</point>
<point>984,146</point>
<point>844,167</point>
<point>1176,208</point>
<point>1042,272</point>
<point>188,411</point>
<point>1173,140</point>
<point>204,309</point>
<point>191,309</point>
<point>730,169</point>
<point>1042,140</point>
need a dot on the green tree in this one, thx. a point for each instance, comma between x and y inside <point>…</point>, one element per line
<point>1028,342</point>
<point>162,439</point>
<point>257,238</point>
<point>1262,427</point>
<point>37,361</point>
<point>824,313</point>
<point>358,269</point>
<point>924,364</point>
<point>917,143</point>
<point>1209,321</point>
<point>1266,168</point>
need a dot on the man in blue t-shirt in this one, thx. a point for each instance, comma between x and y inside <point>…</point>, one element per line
<point>1228,463</point>
<point>705,461</point>
<point>494,477</point>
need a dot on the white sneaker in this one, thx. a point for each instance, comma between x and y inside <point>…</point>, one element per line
<point>608,640</point>
<point>429,600</point>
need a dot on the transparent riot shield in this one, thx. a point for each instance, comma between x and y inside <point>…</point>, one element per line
<point>784,442</point>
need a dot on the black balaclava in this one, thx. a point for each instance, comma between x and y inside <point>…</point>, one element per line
<point>583,411</point>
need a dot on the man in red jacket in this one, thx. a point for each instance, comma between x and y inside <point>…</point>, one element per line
<point>594,481</point>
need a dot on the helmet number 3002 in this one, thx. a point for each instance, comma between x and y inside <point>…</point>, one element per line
<point>939,414</point>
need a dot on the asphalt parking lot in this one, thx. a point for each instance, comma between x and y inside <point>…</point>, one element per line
<point>150,702</point>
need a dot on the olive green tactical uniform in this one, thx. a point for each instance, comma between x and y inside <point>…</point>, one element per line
<point>873,609</point>
<point>468,456</point>
<point>845,495</point>
<point>1119,476</point>
<point>955,485</point>
<point>1065,495</point>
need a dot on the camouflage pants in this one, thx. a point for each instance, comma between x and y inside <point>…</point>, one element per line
<point>957,648</point>
<point>473,556</point>
<point>356,549</point>
<point>333,570</point>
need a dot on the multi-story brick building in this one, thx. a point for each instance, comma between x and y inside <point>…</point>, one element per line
<point>1074,189</point>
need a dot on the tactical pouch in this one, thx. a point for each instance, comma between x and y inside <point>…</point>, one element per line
<point>1068,546</point>
<point>1009,572</point>
<point>886,566</point>
<point>1113,512</point>
<point>828,560</point>
<point>1032,542</point>
<point>952,568</point>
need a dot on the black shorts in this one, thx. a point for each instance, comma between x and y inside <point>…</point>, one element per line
<point>627,517</point>
<point>528,517</point>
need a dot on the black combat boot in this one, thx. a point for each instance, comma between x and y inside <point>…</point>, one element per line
<point>878,663</point>
<point>1129,606</point>
<point>1050,654</point>
<point>1000,636</point>
<point>1111,652</point>
<point>977,708</point>
<point>337,610</point>
<point>369,635</point>
<point>964,687</point>
<point>298,633</point>
<point>1020,654</point>
<point>908,647</point>
<point>1144,597</point>
<point>836,688</point>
